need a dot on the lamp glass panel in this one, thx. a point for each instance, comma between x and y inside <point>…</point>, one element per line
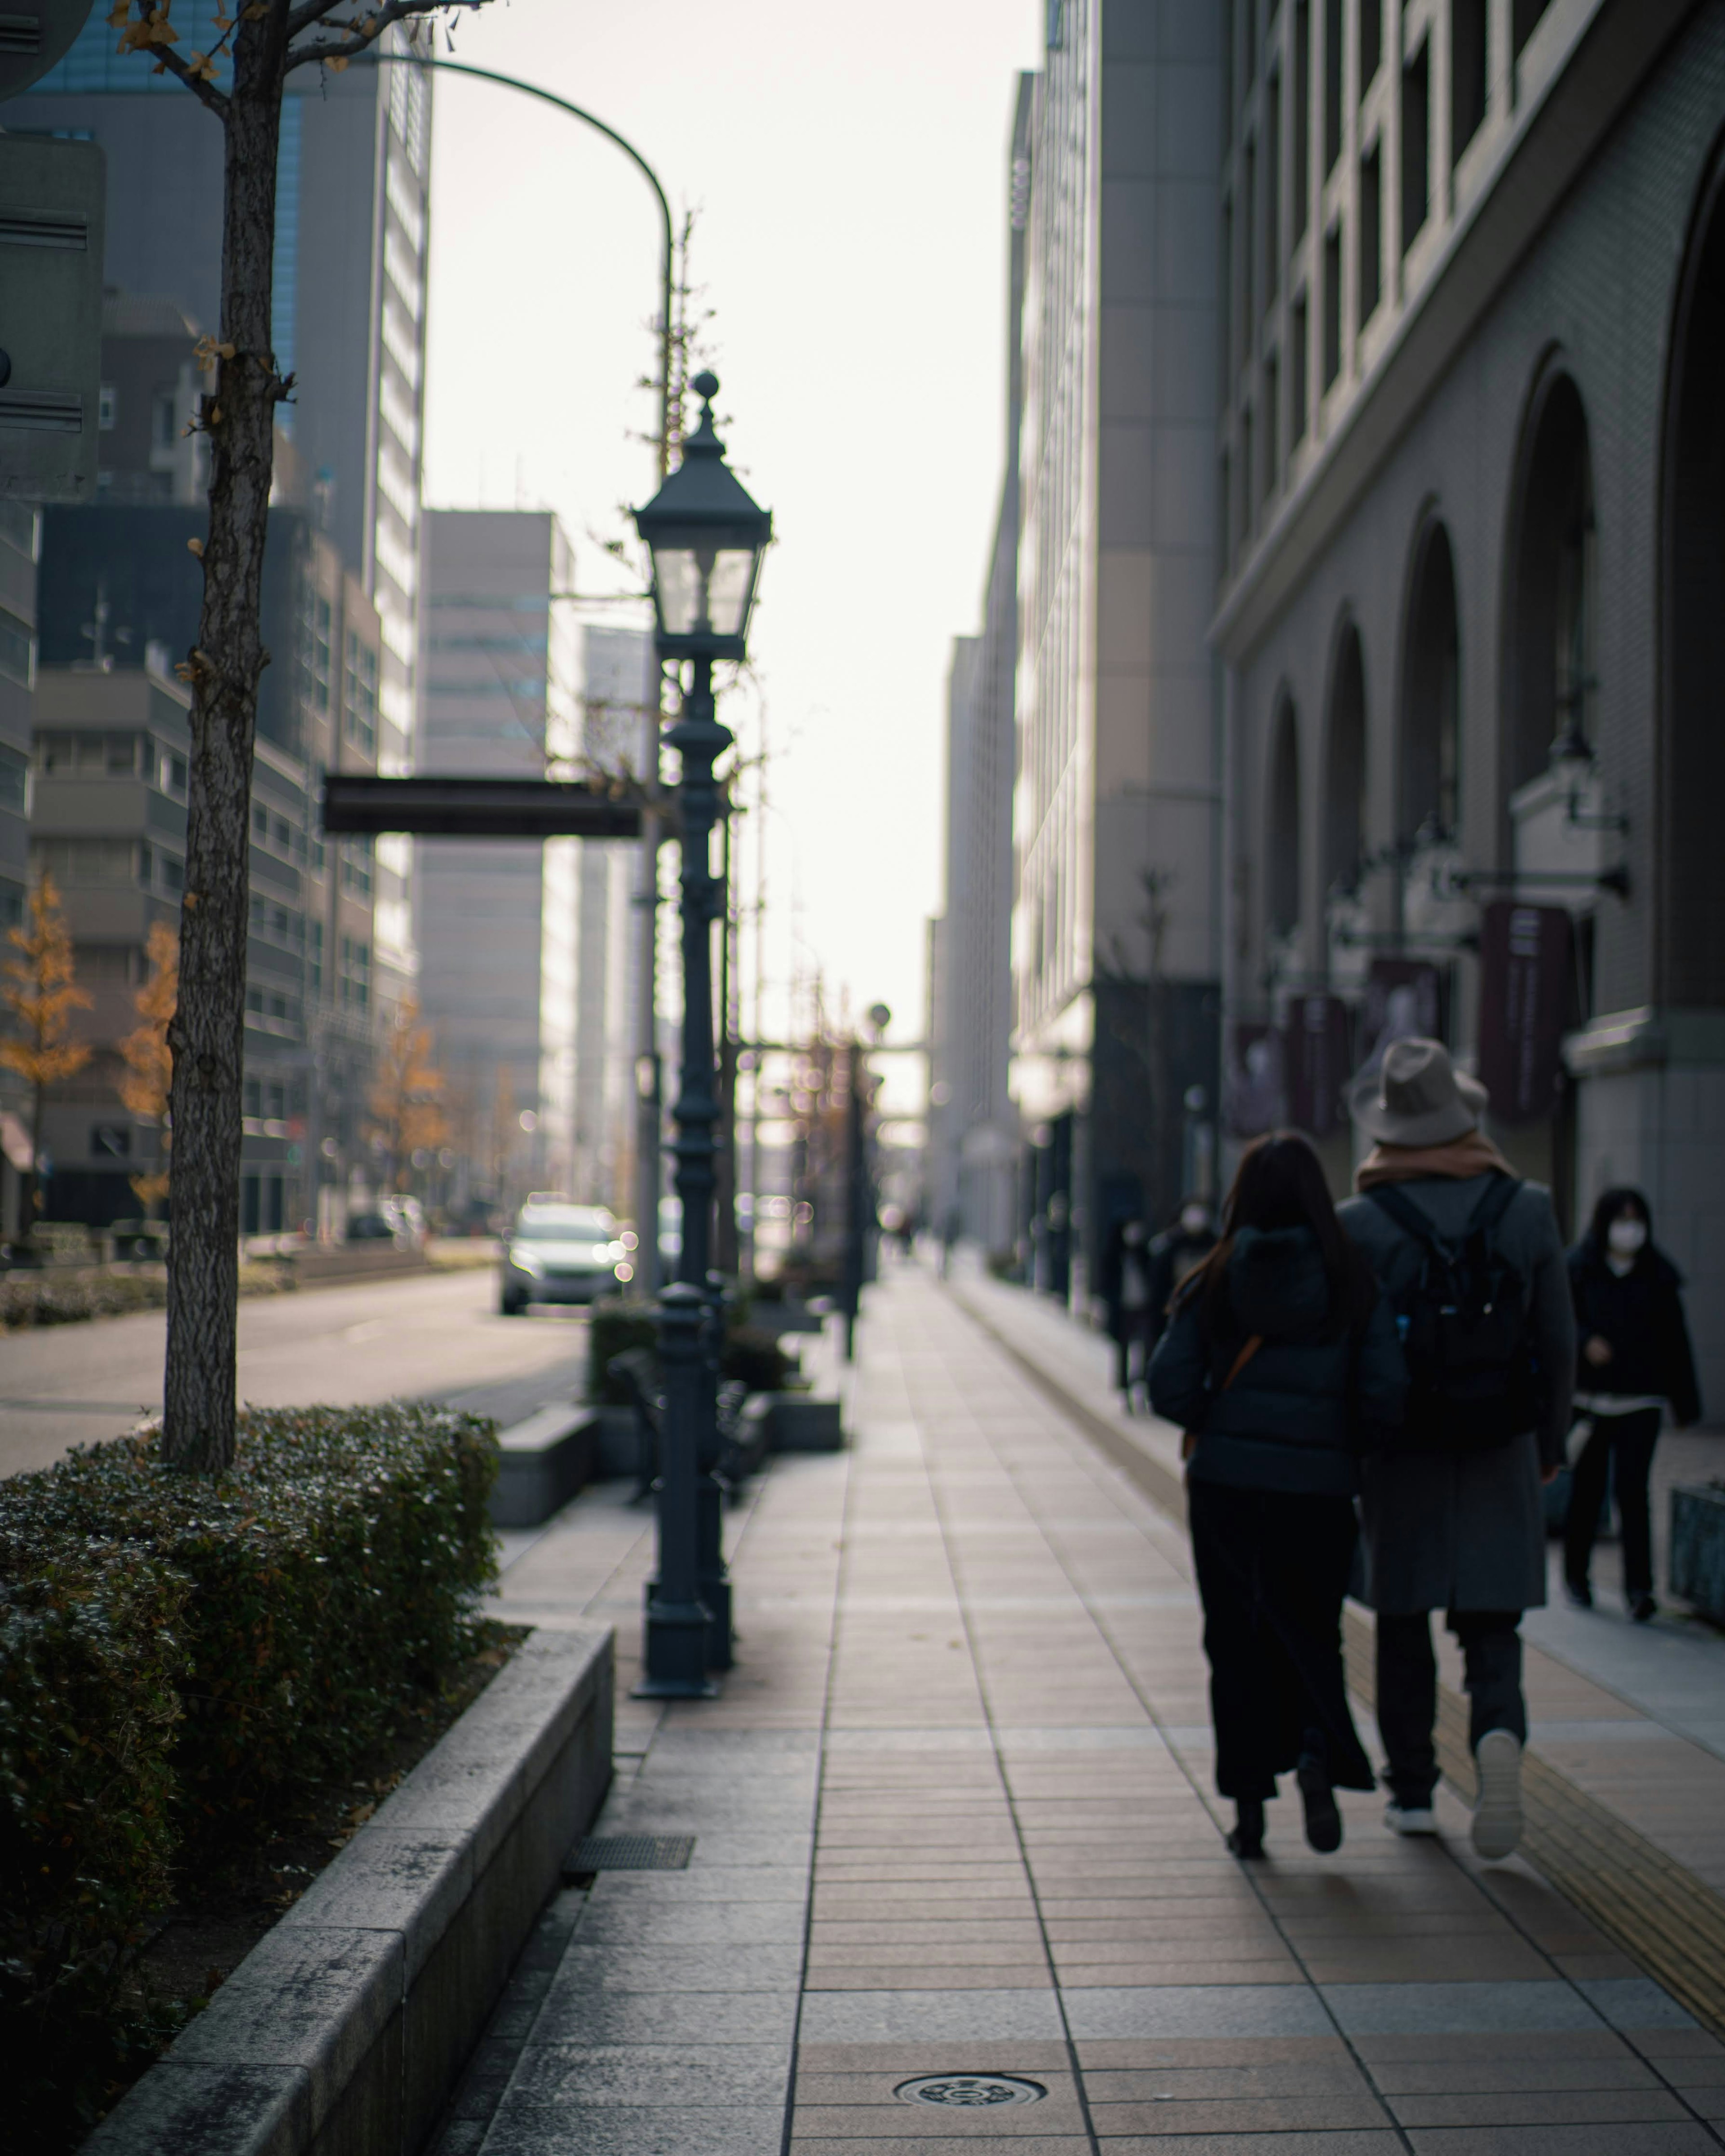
<point>703,590</point>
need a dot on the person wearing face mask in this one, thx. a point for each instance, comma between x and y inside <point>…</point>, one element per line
<point>1633,1358</point>
<point>1177,1251</point>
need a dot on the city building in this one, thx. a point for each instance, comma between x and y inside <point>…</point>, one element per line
<point>620,684</point>
<point>1116,915</point>
<point>974,1151</point>
<point>350,280</point>
<point>499,918</point>
<point>1469,611</point>
<point>20,540</point>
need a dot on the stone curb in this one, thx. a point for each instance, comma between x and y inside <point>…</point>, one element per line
<point>345,2030</point>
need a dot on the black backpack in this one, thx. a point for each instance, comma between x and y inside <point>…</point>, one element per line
<point>1463,1320</point>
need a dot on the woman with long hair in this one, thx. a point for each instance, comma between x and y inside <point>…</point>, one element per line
<point>1634,1360</point>
<point>1281,1362</point>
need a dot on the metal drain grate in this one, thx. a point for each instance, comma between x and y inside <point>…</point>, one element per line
<point>970,2090</point>
<point>629,1852</point>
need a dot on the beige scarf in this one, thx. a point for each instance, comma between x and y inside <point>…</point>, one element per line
<point>1473,1154</point>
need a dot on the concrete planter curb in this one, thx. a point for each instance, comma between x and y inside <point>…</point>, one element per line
<point>1697,1559</point>
<point>541,1463</point>
<point>344,2031</point>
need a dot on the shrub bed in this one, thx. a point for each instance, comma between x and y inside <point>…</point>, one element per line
<point>71,1294</point>
<point>180,1658</point>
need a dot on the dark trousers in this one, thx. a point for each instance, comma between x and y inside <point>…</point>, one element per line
<point>1272,1569</point>
<point>1628,1440</point>
<point>1406,1691</point>
<point>1130,1327</point>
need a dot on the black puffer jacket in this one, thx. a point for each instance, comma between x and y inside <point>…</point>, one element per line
<point>1312,1397</point>
<point>1641,1313</point>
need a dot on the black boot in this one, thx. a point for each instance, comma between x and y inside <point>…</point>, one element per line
<point>1323,1822</point>
<point>1245,1838</point>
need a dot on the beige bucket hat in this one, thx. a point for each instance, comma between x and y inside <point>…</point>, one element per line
<point>1417,1097</point>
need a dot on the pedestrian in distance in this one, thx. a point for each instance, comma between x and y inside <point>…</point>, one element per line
<point>1281,1362</point>
<point>1186,1243</point>
<point>1125,1283</point>
<point>1472,1262</point>
<point>1635,1361</point>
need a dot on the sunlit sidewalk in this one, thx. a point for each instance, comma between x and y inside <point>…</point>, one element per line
<point>953,1823</point>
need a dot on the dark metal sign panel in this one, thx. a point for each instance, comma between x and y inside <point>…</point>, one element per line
<point>475,807</point>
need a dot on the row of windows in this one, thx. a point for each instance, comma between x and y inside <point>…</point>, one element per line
<point>1259,239</point>
<point>137,862</point>
<point>111,755</point>
<point>18,649</point>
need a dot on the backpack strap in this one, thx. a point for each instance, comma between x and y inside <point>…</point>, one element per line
<point>1495,1201</point>
<point>1389,1199</point>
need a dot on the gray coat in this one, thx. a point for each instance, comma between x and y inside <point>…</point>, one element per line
<point>1466,1530</point>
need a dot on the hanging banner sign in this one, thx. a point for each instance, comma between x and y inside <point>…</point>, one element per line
<point>1255,1080</point>
<point>1525,963</point>
<point>1316,1038</point>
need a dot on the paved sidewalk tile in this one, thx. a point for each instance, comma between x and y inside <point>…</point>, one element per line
<point>954,1820</point>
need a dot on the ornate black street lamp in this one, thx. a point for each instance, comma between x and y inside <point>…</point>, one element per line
<point>707,537</point>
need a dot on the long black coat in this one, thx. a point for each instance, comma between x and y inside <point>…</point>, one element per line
<point>1299,1411</point>
<point>1641,1313</point>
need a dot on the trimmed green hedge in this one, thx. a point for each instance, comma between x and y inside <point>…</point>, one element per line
<point>179,1658</point>
<point>66,1295</point>
<point>751,1354</point>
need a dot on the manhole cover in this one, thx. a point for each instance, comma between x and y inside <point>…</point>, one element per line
<point>629,1852</point>
<point>967,2090</point>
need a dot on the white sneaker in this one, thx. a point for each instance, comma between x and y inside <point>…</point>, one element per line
<point>1410,1819</point>
<point>1497,1812</point>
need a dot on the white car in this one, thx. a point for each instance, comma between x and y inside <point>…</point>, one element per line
<point>560,1253</point>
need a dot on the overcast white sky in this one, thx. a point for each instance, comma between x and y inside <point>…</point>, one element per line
<point>849,165</point>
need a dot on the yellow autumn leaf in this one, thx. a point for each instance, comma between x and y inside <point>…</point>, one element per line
<point>202,68</point>
<point>195,546</point>
<point>335,66</point>
<point>117,14</point>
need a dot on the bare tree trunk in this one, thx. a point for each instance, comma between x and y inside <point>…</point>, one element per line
<point>208,1034</point>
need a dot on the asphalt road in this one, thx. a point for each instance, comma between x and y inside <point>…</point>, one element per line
<point>432,1337</point>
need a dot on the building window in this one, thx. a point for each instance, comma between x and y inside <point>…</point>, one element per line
<point>1251,41</point>
<point>1470,43</point>
<point>14,781</point>
<point>1524,20</point>
<point>1371,226</point>
<point>164,413</point>
<point>314,967</point>
<point>358,856</point>
<point>1272,189</point>
<point>1248,265</point>
<point>1057,26</point>
<point>1333,306</point>
<point>1246,469</point>
<point>1416,145</point>
<point>1371,43</point>
<point>1272,461</point>
<point>1332,82</point>
<point>1298,330</point>
<point>18,649</point>
<point>12,903</point>
<point>107,406</point>
<point>1225,341</point>
<point>1302,121</point>
<point>362,694</point>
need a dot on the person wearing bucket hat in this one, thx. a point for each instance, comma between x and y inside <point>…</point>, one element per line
<point>1472,1262</point>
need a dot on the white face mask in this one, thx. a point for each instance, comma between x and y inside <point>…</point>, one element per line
<point>1195,1220</point>
<point>1626,1236</point>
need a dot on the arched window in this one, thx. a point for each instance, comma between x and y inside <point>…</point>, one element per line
<point>1692,762</point>
<point>1345,765</point>
<point>1431,694</point>
<point>1552,679</point>
<point>1281,868</point>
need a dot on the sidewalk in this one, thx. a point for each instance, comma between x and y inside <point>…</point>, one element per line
<point>953,1820</point>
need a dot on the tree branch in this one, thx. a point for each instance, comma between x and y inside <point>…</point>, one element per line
<point>364,32</point>
<point>206,92</point>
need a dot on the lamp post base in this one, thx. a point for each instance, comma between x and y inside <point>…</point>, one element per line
<point>674,1651</point>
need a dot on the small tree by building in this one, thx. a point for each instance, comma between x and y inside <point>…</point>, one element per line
<point>240,80</point>
<point>149,1063</point>
<point>42,992</point>
<point>407,1096</point>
